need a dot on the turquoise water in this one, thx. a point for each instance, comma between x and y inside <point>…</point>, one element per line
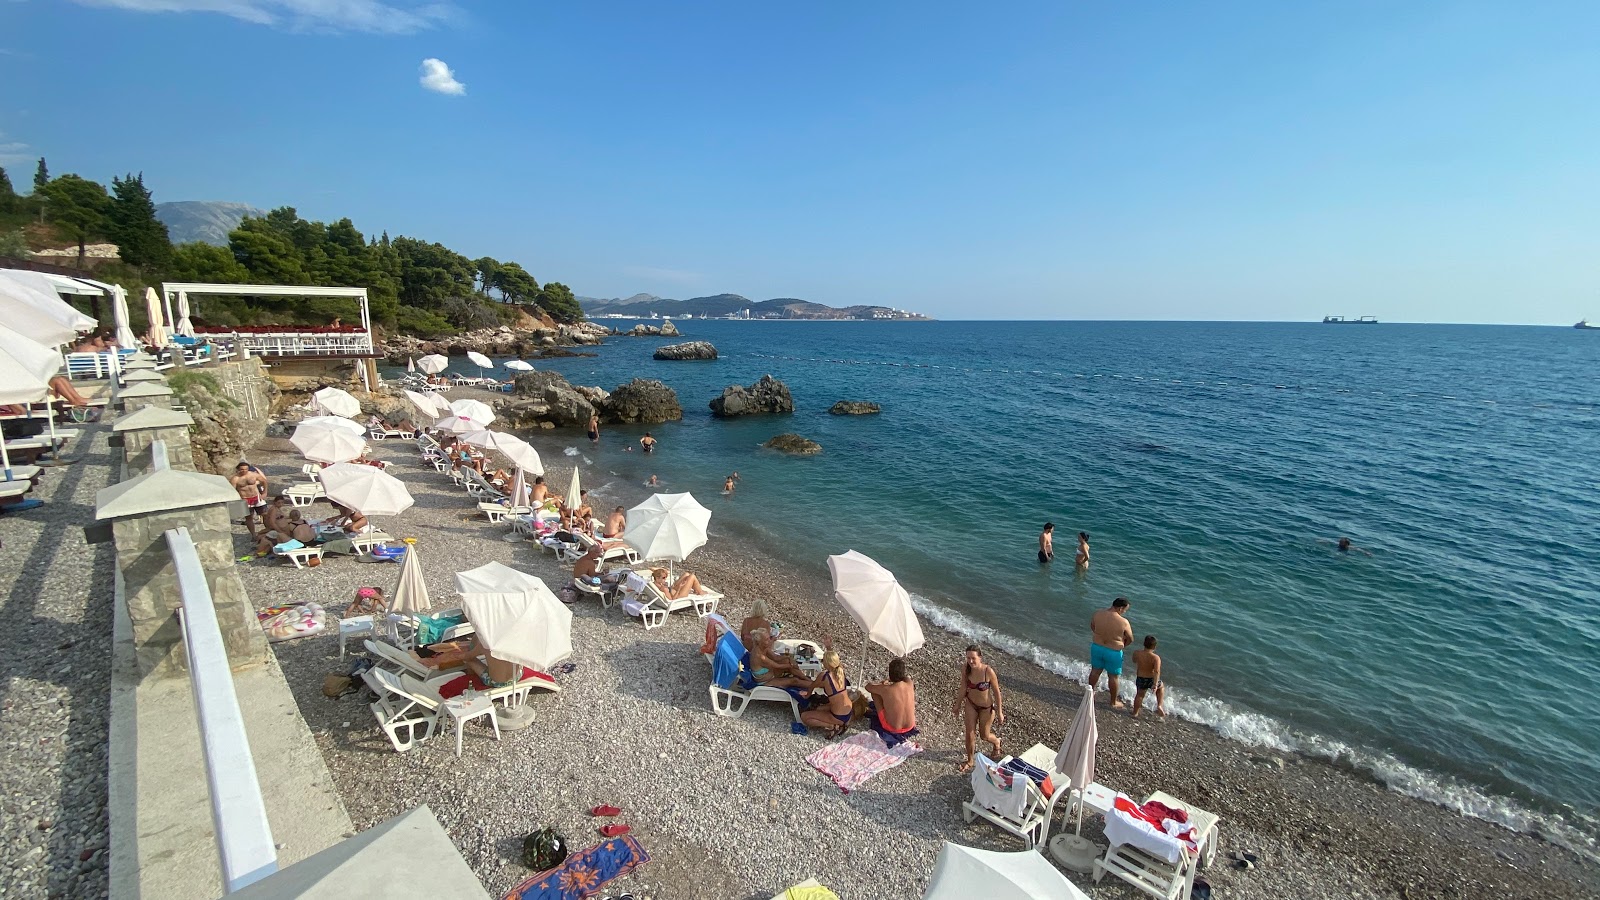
<point>1209,461</point>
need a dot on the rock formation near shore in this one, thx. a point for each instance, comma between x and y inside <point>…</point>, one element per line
<point>795,444</point>
<point>855,408</point>
<point>687,350</point>
<point>547,400</point>
<point>503,341</point>
<point>643,401</point>
<point>767,395</point>
<point>665,329</point>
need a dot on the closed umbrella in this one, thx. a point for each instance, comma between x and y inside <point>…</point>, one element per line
<point>667,526</point>
<point>26,368</point>
<point>517,365</point>
<point>157,335</point>
<point>366,488</point>
<point>575,493</point>
<point>872,596</point>
<point>965,873</point>
<point>185,327</point>
<point>519,488</point>
<point>515,616</point>
<point>119,314</point>
<point>336,402</point>
<point>339,423</point>
<point>411,594</point>
<point>411,364</point>
<point>479,360</point>
<point>476,410</point>
<point>328,445</point>
<point>1075,759</point>
<point>433,363</point>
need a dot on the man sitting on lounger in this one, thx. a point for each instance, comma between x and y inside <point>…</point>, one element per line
<point>296,533</point>
<point>588,567</point>
<point>686,583</point>
<point>351,521</point>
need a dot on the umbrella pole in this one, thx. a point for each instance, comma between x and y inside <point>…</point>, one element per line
<point>5,459</point>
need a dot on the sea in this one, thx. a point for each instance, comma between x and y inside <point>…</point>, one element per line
<point>1454,656</point>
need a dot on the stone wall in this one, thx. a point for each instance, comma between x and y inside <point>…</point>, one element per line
<point>230,403</point>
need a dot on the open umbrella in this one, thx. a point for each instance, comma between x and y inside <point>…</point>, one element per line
<point>433,363</point>
<point>667,526</point>
<point>963,873</point>
<point>522,455</point>
<point>423,403</point>
<point>872,596</point>
<point>457,424</point>
<point>25,372</point>
<point>119,314</point>
<point>411,593</point>
<point>23,309</point>
<point>1075,759</point>
<point>515,615</point>
<point>158,323</point>
<point>328,445</point>
<point>366,488</point>
<point>476,410</point>
<point>479,360</point>
<point>185,327</point>
<point>517,365</point>
<point>338,423</point>
<point>41,292</point>
<point>336,402</point>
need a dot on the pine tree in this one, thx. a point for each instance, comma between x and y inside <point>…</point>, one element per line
<point>141,238</point>
<point>8,194</point>
<point>41,176</point>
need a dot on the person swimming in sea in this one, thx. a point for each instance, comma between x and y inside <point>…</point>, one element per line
<point>1082,559</point>
<point>1343,545</point>
<point>727,485</point>
<point>653,482</point>
<point>647,443</point>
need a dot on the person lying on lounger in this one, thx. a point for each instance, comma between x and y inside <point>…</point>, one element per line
<point>686,583</point>
<point>296,533</point>
<point>351,521</point>
<point>491,670</point>
<point>771,670</point>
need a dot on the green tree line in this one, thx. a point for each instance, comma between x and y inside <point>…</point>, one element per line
<point>414,286</point>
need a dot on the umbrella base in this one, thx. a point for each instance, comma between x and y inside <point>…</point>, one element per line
<point>516,718</point>
<point>1075,852</point>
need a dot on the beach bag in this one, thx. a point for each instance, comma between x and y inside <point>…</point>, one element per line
<point>335,686</point>
<point>544,849</point>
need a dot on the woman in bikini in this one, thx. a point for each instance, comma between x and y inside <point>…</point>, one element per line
<point>978,702</point>
<point>773,671</point>
<point>834,715</point>
<point>687,583</point>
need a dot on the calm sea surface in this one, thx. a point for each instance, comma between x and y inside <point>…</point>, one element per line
<point>1212,464</point>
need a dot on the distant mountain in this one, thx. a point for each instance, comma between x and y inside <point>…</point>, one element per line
<point>646,305</point>
<point>203,220</point>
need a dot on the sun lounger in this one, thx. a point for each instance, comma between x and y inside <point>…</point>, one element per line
<point>1154,862</point>
<point>15,488</point>
<point>312,471</point>
<point>23,473</point>
<point>305,494</point>
<point>619,550</point>
<point>704,603</point>
<point>477,486</point>
<point>1013,802</point>
<point>732,689</point>
<point>406,704</point>
<point>301,556</point>
<point>378,434</point>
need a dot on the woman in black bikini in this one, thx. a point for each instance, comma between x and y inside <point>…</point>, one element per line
<point>978,701</point>
<point>833,717</point>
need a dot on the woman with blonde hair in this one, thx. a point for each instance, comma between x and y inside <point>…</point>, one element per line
<point>834,714</point>
<point>758,618</point>
<point>770,669</point>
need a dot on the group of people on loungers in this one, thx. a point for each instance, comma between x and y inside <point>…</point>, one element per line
<point>285,528</point>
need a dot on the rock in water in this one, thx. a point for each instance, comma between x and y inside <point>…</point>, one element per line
<point>688,350</point>
<point>768,395</point>
<point>668,329</point>
<point>793,443</point>
<point>854,408</point>
<point>642,400</point>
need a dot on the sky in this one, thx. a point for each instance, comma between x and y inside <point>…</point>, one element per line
<point>1419,161</point>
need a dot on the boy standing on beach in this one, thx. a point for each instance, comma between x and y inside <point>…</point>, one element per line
<point>1147,677</point>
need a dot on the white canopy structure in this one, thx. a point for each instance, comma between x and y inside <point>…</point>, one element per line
<point>289,340</point>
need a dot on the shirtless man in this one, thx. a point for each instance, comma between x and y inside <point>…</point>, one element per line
<point>540,491</point>
<point>1111,632</point>
<point>647,443</point>
<point>252,488</point>
<point>1147,677</point>
<point>594,428</point>
<point>1047,547</point>
<point>616,523</point>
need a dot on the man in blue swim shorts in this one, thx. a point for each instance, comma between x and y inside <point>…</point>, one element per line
<point>1111,632</point>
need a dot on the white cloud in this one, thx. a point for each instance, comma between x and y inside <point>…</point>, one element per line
<point>13,152</point>
<point>437,77</point>
<point>377,16</point>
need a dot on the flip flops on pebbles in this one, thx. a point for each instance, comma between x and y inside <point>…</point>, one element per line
<point>615,829</point>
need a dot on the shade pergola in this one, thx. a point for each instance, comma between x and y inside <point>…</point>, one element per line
<point>170,292</point>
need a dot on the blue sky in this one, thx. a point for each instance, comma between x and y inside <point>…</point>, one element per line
<point>1249,160</point>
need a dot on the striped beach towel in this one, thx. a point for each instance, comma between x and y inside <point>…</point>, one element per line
<point>851,762</point>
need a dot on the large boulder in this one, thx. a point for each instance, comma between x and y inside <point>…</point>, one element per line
<point>643,330</point>
<point>668,329</point>
<point>854,408</point>
<point>767,395</point>
<point>563,405</point>
<point>795,444</point>
<point>642,400</point>
<point>687,350</point>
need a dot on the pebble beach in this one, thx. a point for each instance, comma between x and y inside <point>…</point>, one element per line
<point>729,808</point>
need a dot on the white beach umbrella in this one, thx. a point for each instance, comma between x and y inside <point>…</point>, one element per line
<point>411,593</point>
<point>119,314</point>
<point>522,455</point>
<point>575,492</point>
<point>41,292</point>
<point>328,445</point>
<point>479,360</point>
<point>157,332</point>
<point>411,364</point>
<point>26,368</point>
<point>476,410</point>
<point>423,403</point>
<point>515,615</point>
<point>338,423</point>
<point>492,440</point>
<point>337,402</point>
<point>966,873</point>
<point>517,365</point>
<point>667,526</point>
<point>872,596</point>
<point>433,363</point>
<point>22,310</point>
<point>185,327</point>
<point>1075,759</point>
<point>519,488</point>
<point>457,424</point>
<point>366,488</point>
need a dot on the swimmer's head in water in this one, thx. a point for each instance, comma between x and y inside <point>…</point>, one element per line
<point>1344,543</point>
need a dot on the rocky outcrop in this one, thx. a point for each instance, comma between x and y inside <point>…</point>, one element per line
<point>767,395</point>
<point>533,340</point>
<point>643,401</point>
<point>550,399</point>
<point>230,405</point>
<point>665,329</point>
<point>795,444</point>
<point>688,350</point>
<point>855,408</point>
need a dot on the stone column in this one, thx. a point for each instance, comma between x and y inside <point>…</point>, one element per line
<point>143,427</point>
<point>141,510</point>
<point>139,396</point>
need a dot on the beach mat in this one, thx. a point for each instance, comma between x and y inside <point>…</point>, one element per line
<point>851,762</point>
<point>584,873</point>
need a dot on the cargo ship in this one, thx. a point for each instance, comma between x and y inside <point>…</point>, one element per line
<point>1343,320</point>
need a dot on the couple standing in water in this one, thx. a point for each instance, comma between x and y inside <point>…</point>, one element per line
<point>1047,548</point>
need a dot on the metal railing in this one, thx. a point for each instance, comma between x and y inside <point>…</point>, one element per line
<point>238,812</point>
<point>296,343</point>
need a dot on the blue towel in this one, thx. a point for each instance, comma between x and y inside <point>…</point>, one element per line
<point>726,662</point>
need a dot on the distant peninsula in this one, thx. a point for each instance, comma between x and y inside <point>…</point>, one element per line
<point>733,306</point>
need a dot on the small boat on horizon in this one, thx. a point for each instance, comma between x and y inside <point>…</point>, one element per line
<point>1583,325</point>
<point>1343,320</point>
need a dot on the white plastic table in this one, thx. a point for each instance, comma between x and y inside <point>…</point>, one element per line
<point>467,707</point>
<point>355,626</point>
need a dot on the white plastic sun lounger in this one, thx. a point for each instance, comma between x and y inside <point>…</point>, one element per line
<point>1032,822</point>
<point>403,663</point>
<point>1169,876</point>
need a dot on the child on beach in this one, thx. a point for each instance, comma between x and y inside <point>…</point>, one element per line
<point>1148,677</point>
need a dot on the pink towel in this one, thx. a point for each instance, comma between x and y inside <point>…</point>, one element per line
<point>852,761</point>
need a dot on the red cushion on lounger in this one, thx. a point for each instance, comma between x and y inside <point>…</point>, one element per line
<point>459,685</point>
